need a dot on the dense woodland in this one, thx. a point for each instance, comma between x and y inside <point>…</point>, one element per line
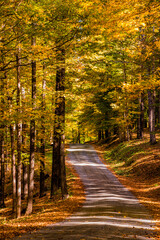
<point>80,70</point>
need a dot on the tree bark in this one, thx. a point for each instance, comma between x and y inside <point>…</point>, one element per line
<point>6,150</point>
<point>19,137</point>
<point>102,134</point>
<point>42,148</point>
<point>126,99</point>
<point>99,135</point>
<point>13,159</point>
<point>72,135</point>
<point>158,109</point>
<point>25,181</point>
<point>24,163</point>
<point>58,164</point>
<point>79,135</point>
<point>24,151</point>
<point>32,139</point>
<point>151,112</point>
<point>2,159</point>
<point>2,173</point>
<point>106,133</point>
<point>140,120</point>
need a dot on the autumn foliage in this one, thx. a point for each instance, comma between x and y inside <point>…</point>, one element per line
<point>76,70</point>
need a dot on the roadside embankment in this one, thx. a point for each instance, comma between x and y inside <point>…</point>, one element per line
<point>137,166</point>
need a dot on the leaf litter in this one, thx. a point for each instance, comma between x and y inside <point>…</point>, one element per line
<point>45,210</point>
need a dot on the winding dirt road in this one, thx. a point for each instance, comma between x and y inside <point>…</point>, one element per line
<point>110,210</point>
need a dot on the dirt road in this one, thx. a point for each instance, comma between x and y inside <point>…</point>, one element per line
<point>110,210</point>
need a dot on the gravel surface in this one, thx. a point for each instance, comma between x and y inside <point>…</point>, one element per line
<point>110,211</point>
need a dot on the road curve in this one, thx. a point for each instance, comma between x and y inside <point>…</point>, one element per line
<point>110,211</point>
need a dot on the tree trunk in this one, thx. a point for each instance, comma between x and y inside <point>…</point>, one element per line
<point>24,152</point>
<point>84,136</point>
<point>78,135</point>
<point>72,135</point>
<point>58,162</point>
<point>62,146</point>
<point>99,135</point>
<point>140,121</point>
<point>42,148</point>
<point>106,133</point>
<point>115,130</point>
<point>13,159</point>
<point>64,189</point>
<point>2,173</point>
<point>102,134</point>
<point>55,180</point>
<point>158,109</point>
<point>19,136</point>
<point>126,99</point>
<point>25,163</point>
<point>2,159</point>
<point>6,150</point>
<point>151,112</point>
<point>32,139</point>
<point>25,181</point>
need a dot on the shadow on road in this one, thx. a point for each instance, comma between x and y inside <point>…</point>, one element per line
<point>110,211</point>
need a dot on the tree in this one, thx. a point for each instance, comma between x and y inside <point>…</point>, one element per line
<point>32,137</point>
<point>2,160</point>
<point>58,163</point>
<point>42,148</point>
<point>19,135</point>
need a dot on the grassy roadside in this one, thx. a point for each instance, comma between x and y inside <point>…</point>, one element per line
<point>137,166</point>
<point>45,210</point>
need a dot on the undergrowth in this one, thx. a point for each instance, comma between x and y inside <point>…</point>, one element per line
<point>45,210</point>
<point>124,156</point>
<point>137,166</point>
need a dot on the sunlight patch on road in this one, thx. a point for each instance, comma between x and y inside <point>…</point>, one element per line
<point>117,219</point>
<point>80,150</point>
<point>90,164</point>
<point>117,224</point>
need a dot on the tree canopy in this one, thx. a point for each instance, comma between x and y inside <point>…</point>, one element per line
<point>79,70</point>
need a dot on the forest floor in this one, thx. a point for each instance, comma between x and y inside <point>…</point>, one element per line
<point>109,212</point>
<point>137,165</point>
<point>45,210</point>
